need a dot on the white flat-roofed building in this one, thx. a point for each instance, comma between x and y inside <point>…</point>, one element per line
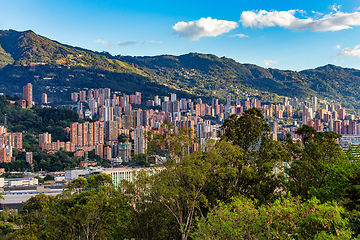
<point>128,174</point>
<point>9,182</point>
<point>349,140</point>
<point>74,174</point>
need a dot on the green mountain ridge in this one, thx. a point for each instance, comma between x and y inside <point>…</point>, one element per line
<point>28,57</point>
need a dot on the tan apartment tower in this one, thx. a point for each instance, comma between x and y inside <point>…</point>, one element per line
<point>28,95</point>
<point>44,98</point>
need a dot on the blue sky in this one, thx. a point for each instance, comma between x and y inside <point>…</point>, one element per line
<point>293,35</point>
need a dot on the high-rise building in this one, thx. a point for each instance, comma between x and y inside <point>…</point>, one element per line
<point>274,129</point>
<point>138,98</point>
<point>306,116</point>
<point>5,154</point>
<point>228,100</point>
<point>29,158</point>
<point>75,96</point>
<point>215,101</point>
<point>352,128</point>
<point>247,104</point>
<point>13,139</point>
<point>44,98</point>
<point>139,140</point>
<point>107,113</point>
<point>314,103</point>
<point>183,104</point>
<point>107,93</point>
<point>28,95</point>
<point>44,139</point>
<point>237,101</point>
<point>341,113</point>
<point>111,132</point>
<point>82,96</point>
<point>107,153</point>
<point>87,135</point>
<point>90,94</point>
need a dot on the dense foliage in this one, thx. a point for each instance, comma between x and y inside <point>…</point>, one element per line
<point>37,120</point>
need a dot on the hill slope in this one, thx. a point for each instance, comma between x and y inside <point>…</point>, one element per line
<point>68,68</point>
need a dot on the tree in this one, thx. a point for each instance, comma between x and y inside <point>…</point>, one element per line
<point>351,200</point>
<point>96,210</point>
<point>35,214</point>
<point>90,214</point>
<point>319,167</point>
<point>49,178</point>
<point>225,159</point>
<point>173,143</point>
<point>247,130</point>
<point>286,218</point>
<point>179,187</point>
<point>261,172</point>
<point>150,218</point>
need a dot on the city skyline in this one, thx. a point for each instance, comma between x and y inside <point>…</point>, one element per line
<point>292,35</point>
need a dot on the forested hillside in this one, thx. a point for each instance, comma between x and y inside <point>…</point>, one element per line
<point>28,57</point>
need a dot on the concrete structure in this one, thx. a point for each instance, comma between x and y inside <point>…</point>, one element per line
<point>87,135</point>
<point>349,140</point>
<point>13,139</point>
<point>128,174</point>
<point>140,143</point>
<point>5,153</point>
<point>28,95</point>
<point>44,99</point>
<point>111,132</point>
<point>10,182</point>
<point>29,158</point>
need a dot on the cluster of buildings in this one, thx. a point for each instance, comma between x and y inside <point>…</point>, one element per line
<point>119,127</point>
<point>10,142</point>
<point>102,104</point>
<point>28,101</point>
<point>121,115</point>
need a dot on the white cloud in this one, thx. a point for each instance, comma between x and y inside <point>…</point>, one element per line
<point>204,27</point>
<point>335,7</point>
<point>153,41</point>
<point>317,13</point>
<point>269,62</point>
<point>103,42</point>
<point>286,19</point>
<point>127,43</point>
<point>338,46</point>
<point>240,35</point>
<point>124,44</point>
<point>351,52</point>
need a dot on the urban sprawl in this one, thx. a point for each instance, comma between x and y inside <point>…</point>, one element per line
<point>117,127</point>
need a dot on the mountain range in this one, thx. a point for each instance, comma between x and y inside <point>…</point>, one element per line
<point>59,69</point>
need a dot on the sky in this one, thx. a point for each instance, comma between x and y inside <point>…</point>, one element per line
<point>288,35</point>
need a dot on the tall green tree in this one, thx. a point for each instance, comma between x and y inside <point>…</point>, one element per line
<point>179,187</point>
<point>318,166</point>
<point>261,173</point>
<point>96,210</point>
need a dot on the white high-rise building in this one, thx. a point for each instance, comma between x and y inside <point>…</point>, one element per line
<point>314,103</point>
